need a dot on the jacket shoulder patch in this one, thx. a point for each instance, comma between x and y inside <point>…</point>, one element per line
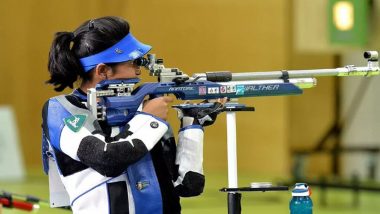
<point>75,122</point>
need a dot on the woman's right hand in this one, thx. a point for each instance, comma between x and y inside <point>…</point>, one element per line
<point>158,106</point>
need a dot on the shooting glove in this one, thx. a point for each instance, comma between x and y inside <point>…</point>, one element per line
<point>199,115</point>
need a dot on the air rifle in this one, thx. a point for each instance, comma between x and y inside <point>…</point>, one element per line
<point>21,202</point>
<point>117,101</point>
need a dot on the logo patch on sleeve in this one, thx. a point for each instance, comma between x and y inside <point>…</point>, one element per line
<point>75,122</point>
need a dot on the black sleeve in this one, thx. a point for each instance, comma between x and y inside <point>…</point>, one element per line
<point>110,159</point>
<point>112,156</point>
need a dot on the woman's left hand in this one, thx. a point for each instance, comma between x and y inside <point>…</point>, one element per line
<point>203,116</point>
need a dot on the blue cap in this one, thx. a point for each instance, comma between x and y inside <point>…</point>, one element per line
<point>129,48</point>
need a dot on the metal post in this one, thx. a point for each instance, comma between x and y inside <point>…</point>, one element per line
<point>233,198</point>
<point>231,150</point>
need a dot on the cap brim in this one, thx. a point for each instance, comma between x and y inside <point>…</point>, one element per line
<point>129,48</point>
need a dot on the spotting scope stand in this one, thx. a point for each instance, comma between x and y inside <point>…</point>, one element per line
<point>233,191</point>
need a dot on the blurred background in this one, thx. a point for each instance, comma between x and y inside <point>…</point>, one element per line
<point>328,137</point>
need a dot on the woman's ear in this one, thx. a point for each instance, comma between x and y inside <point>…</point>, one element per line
<point>101,71</point>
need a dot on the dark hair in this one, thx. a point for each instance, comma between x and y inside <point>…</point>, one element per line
<point>92,37</point>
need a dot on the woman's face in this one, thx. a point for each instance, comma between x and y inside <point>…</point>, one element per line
<point>124,70</point>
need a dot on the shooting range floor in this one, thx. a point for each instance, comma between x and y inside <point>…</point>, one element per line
<point>212,201</point>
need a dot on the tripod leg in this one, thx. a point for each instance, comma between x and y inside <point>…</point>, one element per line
<point>234,204</point>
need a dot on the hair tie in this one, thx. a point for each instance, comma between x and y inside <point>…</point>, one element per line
<point>91,24</point>
<point>72,36</point>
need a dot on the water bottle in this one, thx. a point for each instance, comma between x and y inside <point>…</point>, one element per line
<point>301,202</point>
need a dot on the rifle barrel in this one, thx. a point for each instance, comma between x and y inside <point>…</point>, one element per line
<point>340,72</point>
<point>302,83</point>
<point>371,70</point>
